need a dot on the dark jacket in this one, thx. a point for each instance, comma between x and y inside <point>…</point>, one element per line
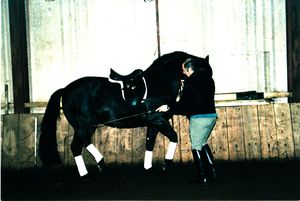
<point>197,95</point>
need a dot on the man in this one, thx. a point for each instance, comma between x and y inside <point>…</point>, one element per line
<point>198,105</point>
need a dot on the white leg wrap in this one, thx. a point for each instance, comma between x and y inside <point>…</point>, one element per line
<point>171,151</point>
<point>148,160</point>
<point>80,165</point>
<point>94,151</point>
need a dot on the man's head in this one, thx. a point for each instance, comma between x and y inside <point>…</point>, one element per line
<point>188,67</point>
<point>191,64</point>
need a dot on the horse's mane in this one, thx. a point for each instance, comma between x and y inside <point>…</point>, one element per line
<point>163,60</point>
<point>167,58</point>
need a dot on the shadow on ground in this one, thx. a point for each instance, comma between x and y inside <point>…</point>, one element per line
<point>236,181</point>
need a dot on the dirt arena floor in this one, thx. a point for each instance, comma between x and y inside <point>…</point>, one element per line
<point>236,181</point>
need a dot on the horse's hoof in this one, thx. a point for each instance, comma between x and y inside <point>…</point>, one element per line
<point>101,165</point>
<point>166,166</point>
<point>151,172</point>
<point>87,178</point>
<point>202,181</point>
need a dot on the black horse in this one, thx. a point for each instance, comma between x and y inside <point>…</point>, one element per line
<point>119,101</point>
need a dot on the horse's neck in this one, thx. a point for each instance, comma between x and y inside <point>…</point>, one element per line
<point>160,87</point>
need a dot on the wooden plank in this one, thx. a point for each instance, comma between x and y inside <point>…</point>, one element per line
<point>219,138</point>
<point>251,133</point>
<point>96,140</point>
<point>284,131</point>
<point>38,127</point>
<point>10,139</point>
<point>124,146</point>
<point>176,127</point>
<point>236,145</point>
<point>108,143</point>
<point>68,157</point>
<point>139,145</point>
<point>226,97</point>
<point>159,149</point>
<point>295,115</point>
<point>185,145</point>
<point>19,57</point>
<point>35,104</point>
<point>62,130</point>
<point>268,134</point>
<point>27,140</point>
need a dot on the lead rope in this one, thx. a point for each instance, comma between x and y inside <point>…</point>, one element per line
<point>180,91</point>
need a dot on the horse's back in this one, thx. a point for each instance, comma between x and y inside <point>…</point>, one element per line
<point>88,96</point>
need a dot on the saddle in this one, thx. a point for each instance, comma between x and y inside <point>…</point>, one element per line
<point>116,76</point>
<point>133,86</point>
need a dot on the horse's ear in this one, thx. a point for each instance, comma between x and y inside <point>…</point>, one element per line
<point>207,59</point>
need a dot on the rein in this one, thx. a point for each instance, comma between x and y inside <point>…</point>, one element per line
<point>122,118</point>
<point>111,121</point>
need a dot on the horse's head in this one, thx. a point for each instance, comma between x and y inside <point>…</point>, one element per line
<point>134,86</point>
<point>200,65</point>
<point>204,65</point>
<point>164,75</point>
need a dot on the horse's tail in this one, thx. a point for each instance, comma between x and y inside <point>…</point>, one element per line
<point>48,144</point>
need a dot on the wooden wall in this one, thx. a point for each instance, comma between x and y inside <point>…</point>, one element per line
<point>257,132</point>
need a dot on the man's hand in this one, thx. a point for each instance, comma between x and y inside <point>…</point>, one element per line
<point>162,108</point>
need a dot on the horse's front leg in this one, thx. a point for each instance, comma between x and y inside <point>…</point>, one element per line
<point>162,125</point>
<point>166,129</point>
<point>150,142</point>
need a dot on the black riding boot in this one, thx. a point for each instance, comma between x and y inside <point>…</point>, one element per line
<point>209,161</point>
<point>199,165</point>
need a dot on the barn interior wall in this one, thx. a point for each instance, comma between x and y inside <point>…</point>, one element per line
<point>85,31</point>
<point>6,69</point>
<point>71,39</point>
<point>242,133</point>
<point>245,40</point>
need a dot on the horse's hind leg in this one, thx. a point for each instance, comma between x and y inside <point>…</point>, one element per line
<point>97,156</point>
<point>79,141</point>
<point>76,148</point>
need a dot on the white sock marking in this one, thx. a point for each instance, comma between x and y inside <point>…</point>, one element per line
<point>80,165</point>
<point>148,160</point>
<point>94,151</point>
<point>171,151</point>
